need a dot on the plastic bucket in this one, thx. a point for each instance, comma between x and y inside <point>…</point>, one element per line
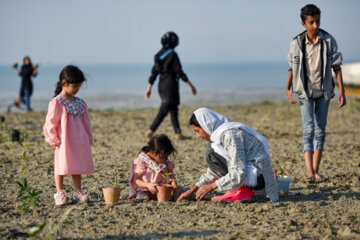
<point>284,184</point>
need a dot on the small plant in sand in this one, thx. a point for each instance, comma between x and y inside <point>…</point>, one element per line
<point>52,229</point>
<point>24,161</point>
<point>112,194</point>
<point>29,196</point>
<point>167,177</point>
<point>116,183</point>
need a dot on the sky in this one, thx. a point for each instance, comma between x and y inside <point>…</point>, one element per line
<point>129,32</point>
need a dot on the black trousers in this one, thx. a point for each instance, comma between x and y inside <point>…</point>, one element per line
<point>163,111</point>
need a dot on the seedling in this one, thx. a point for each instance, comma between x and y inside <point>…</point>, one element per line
<point>116,182</point>
<point>28,195</point>
<point>167,177</point>
<point>23,163</point>
<point>282,172</point>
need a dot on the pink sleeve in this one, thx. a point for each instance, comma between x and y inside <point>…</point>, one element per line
<point>170,166</point>
<point>87,124</point>
<point>52,123</point>
<point>137,167</point>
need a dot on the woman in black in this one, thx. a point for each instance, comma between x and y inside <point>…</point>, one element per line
<point>167,64</point>
<point>26,72</point>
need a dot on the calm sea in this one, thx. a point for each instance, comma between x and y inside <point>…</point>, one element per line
<point>123,86</point>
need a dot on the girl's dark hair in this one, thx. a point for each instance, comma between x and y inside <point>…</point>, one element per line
<point>71,75</point>
<point>309,10</point>
<point>28,58</point>
<point>194,121</point>
<point>160,144</point>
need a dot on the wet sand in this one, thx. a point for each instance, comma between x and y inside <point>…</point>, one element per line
<point>329,209</point>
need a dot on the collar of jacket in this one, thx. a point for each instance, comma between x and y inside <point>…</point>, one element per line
<point>301,38</point>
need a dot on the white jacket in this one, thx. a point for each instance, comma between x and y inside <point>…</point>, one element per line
<point>331,59</point>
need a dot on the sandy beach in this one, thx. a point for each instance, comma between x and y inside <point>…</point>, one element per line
<point>329,209</point>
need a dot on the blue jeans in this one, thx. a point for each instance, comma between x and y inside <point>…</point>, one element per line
<point>26,99</point>
<point>314,129</point>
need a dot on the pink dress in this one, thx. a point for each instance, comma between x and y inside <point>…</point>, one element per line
<point>150,170</point>
<point>68,125</point>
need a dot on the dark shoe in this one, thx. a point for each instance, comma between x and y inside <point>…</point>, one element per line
<point>149,134</point>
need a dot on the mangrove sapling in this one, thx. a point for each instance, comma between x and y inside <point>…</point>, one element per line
<point>28,196</point>
<point>51,229</point>
<point>165,190</point>
<point>24,161</point>
<point>112,194</point>
<point>167,177</point>
<point>10,144</point>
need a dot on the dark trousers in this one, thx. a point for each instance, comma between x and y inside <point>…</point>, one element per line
<point>26,99</point>
<point>163,111</point>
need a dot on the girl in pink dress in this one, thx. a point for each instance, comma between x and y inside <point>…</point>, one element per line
<point>149,166</point>
<point>67,130</point>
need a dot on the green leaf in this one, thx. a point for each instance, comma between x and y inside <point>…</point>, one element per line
<point>36,230</point>
<point>23,156</point>
<point>29,145</point>
<point>19,183</point>
<point>23,170</point>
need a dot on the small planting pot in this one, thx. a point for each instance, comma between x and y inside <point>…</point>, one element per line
<point>284,185</point>
<point>111,195</point>
<point>164,192</point>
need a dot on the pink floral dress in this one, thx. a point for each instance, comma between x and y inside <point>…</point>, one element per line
<point>68,126</point>
<point>150,171</point>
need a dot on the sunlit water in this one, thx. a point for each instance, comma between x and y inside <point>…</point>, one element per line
<point>123,86</point>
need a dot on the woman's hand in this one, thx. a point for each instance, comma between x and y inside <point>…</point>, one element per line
<point>152,187</point>
<point>205,190</point>
<point>191,87</point>
<point>148,91</point>
<point>188,193</point>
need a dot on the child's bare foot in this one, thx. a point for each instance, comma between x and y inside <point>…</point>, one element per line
<point>318,176</point>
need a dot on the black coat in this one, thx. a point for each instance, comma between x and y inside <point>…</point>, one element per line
<point>169,68</point>
<point>26,83</point>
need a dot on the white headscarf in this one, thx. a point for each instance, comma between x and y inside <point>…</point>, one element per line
<point>214,124</point>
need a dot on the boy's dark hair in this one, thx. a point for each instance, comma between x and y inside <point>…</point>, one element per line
<point>309,10</point>
<point>160,144</point>
<point>71,75</point>
<point>194,121</point>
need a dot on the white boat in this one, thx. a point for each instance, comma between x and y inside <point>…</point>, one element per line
<point>351,78</point>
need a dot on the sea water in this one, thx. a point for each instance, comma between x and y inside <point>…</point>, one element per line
<point>123,86</point>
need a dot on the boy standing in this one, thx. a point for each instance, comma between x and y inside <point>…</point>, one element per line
<point>312,55</point>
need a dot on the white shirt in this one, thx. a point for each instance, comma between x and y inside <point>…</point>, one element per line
<point>313,66</point>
